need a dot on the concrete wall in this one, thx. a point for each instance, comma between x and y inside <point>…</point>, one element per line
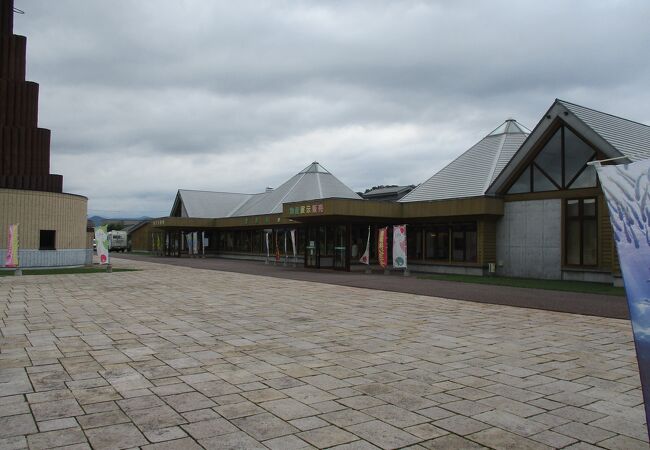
<point>35,211</point>
<point>51,258</point>
<point>529,239</point>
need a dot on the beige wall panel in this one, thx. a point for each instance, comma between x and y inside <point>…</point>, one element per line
<point>36,210</point>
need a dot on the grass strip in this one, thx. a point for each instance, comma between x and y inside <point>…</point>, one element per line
<point>532,283</point>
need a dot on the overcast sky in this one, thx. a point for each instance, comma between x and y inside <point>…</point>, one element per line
<point>144,97</point>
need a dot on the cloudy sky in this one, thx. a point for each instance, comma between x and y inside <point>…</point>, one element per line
<point>147,96</point>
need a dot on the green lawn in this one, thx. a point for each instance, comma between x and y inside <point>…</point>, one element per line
<point>65,271</point>
<point>551,285</point>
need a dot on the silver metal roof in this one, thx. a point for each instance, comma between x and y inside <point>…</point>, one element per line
<point>311,183</point>
<point>631,139</point>
<point>206,204</point>
<point>471,173</point>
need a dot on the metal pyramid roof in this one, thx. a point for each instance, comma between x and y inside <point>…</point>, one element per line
<point>472,172</point>
<point>312,183</point>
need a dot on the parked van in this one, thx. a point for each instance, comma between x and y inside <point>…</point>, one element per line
<point>117,241</point>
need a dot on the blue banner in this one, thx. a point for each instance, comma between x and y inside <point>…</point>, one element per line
<point>627,191</point>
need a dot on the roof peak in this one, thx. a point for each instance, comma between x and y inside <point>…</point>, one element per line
<point>510,126</point>
<point>314,167</point>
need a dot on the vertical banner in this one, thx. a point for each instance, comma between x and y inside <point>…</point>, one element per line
<point>101,241</point>
<point>365,258</point>
<point>195,243</point>
<point>277,247</point>
<point>266,238</point>
<point>188,240</point>
<point>399,246</point>
<point>382,247</point>
<point>11,259</point>
<point>627,191</point>
<point>293,243</point>
<point>285,247</point>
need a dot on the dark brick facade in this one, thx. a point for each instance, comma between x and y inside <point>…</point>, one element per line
<point>24,148</point>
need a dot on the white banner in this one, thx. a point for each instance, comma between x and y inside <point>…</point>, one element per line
<point>399,246</point>
<point>101,243</point>
<point>293,242</point>
<point>365,258</point>
<point>195,243</point>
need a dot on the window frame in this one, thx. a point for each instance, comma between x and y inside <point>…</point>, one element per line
<point>581,218</point>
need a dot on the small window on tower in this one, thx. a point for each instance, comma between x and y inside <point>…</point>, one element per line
<point>48,240</point>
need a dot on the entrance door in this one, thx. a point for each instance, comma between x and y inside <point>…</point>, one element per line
<point>312,248</point>
<point>341,247</point>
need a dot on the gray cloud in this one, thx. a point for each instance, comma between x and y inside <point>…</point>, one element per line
<point>238,96</point>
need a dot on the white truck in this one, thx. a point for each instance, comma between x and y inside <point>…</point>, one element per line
<point>117,241</point>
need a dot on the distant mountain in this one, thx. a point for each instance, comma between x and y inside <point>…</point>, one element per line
<point>99,220</point>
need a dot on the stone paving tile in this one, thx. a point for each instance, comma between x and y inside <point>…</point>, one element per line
<point>383,435</point>
<point>288,408</point>
<point>264,426</point>
<point>232,441</point>
<point>155,418</point>
<point>170,356</point>
<point>209,428</point>
<point>17,425</point>
<point>499,439</point>
<point>57,438</point>
<point>120,436</point>
<point>165,434</point>
<point>327,437</point>
<point>178,444</point>
<point>395,416</point>
<point>461,425</point>
<point>102,419</point>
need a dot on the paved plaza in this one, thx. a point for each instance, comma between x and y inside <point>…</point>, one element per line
<point>179,358</point>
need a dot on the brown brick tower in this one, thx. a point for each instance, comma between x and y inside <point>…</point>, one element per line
<point>24,148</point>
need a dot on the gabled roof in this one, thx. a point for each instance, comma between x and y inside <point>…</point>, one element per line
<point>206,204</point>
<point>471,173</point>
<point>311,183</point>
<point>614,136</point>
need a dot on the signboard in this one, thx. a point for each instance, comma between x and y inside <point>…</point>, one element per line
<point>399,246</point>
<point>311,208</point>
<point>101,241</point>
<point>627,191</point>
<point>382,247</point>
<point>11,259</point>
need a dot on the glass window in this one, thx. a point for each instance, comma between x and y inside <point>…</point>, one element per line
<point>586,179</point>
<point>437,242</point>
<point>464,242</point>
<point>550,158</point>
<point>522,185</point>
<point>47,240</point>
<point>576,155</point>
<point>540,182</point>
<point>414,243</point>
<point>581,232</point>
<point>560,164</point>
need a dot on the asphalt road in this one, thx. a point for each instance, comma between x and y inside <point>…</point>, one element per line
<point>571,302</point>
